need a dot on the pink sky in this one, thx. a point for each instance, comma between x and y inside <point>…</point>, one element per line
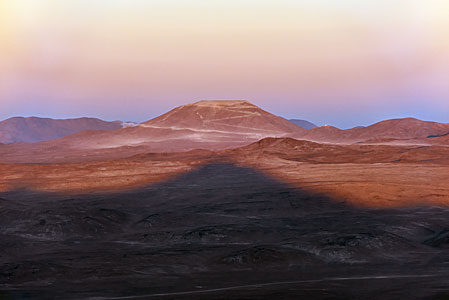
<point>344,62</point>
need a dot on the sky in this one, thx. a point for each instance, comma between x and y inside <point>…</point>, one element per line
<point>343,63</point>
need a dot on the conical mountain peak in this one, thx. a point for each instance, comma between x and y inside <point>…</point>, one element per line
<point>222,102</point>
<point>226,116</point>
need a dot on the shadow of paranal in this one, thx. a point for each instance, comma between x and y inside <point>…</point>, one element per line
<point>221,231</point>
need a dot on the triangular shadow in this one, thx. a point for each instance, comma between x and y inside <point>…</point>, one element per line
<point>216,226</point>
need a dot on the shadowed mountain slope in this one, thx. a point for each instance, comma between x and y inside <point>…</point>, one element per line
<point>34,129</point>
<point>303,123</point>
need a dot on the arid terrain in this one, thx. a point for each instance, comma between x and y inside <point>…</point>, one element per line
<point>365,217</point>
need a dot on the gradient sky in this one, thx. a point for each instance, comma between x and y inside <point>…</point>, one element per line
<point>345,62</point>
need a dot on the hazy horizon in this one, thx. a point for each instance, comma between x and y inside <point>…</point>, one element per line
<point>151,117</point>
<point>344,63</point>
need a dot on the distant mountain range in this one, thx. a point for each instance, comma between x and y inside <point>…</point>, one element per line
<point>34,129</point>
<point>303,123</point>
<point>382,132</point>
<point>210,125</point>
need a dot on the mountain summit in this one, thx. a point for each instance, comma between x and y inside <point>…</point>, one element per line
<point>225,116</point>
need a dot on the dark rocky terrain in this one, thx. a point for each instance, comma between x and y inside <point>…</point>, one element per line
<point>218,231</point>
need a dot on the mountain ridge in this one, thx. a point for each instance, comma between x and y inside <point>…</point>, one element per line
<point>36,129</point>
<point>215,125</point>
<point>396,129</point>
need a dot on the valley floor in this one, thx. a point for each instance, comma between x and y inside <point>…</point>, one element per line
<point>247,225</point>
